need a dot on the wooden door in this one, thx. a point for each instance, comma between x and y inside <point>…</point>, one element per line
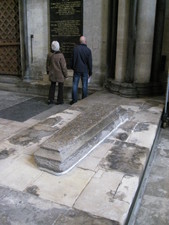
<point>10,62</point>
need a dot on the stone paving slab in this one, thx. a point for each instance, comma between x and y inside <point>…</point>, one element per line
<point>102,201</point>
<point>20,112</point>
<point>125,157</point>
<point>20,174</point>
<point>26,209</point>
<point>8,100</point>
<point>64,191</point>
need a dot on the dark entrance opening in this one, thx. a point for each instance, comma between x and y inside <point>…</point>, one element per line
<point>112,37</point>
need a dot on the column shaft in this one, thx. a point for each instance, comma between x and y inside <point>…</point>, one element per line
<point>122,32</point>
<point>144,42</point>
<point>129,78</point>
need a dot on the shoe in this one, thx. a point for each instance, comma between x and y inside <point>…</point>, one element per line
<point>50,102</point>
<point>72,102</point>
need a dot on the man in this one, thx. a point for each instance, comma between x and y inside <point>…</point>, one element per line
<point>82,66</point>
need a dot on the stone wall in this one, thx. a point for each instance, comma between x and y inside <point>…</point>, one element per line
<point>95,28</point>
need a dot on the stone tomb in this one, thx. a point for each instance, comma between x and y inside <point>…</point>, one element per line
<point>66,147</point>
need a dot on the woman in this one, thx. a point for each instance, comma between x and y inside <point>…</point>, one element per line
<point>57,70</point>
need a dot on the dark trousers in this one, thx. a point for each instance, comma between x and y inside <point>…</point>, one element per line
<point>52,89</point>
<point>84,80</point>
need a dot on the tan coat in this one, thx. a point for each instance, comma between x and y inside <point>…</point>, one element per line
<point>56,67</point>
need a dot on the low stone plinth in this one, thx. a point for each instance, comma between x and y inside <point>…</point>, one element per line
<point>62,151</point>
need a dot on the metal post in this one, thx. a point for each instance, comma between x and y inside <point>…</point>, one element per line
<point>31,47</point>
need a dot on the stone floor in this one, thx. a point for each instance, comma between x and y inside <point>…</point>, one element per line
<point>154,203</point>
<point>97,191</point>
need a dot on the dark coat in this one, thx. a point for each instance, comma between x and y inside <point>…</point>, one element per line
<point>82,59</point>
<point>56,67</point>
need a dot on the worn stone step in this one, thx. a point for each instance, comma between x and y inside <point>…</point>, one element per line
<point>73,142</point>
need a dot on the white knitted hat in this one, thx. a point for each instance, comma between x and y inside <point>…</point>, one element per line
<point>55,46</point>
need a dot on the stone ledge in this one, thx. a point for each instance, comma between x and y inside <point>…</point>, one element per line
<point>40,87</point>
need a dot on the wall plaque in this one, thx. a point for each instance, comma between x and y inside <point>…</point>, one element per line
<point>66,24</point>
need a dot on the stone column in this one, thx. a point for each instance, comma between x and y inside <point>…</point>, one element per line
<point>144,41</point>
<point>122,33</point>
<point>135,38</point>
<point>129,78</point>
